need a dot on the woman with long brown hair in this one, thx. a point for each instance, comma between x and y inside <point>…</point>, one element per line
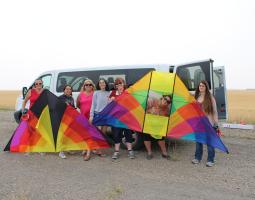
<point>208,105</point>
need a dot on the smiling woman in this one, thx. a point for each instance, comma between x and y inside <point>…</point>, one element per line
<point>8,99</point>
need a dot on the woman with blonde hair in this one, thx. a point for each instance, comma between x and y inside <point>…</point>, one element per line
<point>84,99</point>
<point>84,102</point>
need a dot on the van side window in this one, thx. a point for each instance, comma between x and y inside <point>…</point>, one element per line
<point>111,79</point>
<point>46,81</point>
<point>77,78</point>
<point>192,75</point>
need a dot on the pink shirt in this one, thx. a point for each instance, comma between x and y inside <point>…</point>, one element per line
<point>85,103</point>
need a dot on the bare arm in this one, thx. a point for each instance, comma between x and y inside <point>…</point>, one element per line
<point>215,112</point>
<point>28,95</point>
<point>93,105</point>
<point>111,98</point>
<point>78,101</point>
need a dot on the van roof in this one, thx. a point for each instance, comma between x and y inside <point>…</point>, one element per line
<point>156,66</point>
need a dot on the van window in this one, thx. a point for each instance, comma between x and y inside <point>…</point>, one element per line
<point>76,78</point>
<point>192,75</point>
<point>46,81</point>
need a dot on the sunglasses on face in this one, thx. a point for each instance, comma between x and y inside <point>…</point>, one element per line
<point>88,85</point>
<point>38,83</point>
<point>117,84</point>
<point>167,100</point>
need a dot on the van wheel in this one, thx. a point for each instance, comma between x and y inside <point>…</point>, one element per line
<point>137,143</point>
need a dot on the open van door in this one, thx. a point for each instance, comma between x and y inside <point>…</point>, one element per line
<point>192,73</point>
<point>220,91</point>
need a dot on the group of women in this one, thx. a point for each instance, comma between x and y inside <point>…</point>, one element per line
<point>93,99</point>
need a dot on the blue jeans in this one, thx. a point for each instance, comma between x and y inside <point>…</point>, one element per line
<point>199,152</point>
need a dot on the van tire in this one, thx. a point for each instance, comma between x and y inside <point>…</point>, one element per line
<point>17,115</point>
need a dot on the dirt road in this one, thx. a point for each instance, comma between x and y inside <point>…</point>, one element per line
<point>49,177</point>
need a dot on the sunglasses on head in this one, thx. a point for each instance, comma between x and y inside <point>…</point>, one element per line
<point>88,85</point>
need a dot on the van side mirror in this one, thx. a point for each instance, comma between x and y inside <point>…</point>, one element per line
<point>24,92</point>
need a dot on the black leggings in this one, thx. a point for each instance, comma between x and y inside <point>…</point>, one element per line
<point>148,137</point>
<point>117,135</point>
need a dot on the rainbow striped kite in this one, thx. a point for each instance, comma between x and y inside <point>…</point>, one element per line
<point>54,126</point>
<point>140,108</point>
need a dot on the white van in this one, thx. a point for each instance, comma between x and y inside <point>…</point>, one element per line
<point>190,73</point>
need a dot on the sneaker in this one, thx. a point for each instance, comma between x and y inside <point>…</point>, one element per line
<point>195,161</point>
<point>131,154</point>
<point>83,152</point>
<point>115,155</point>
<point>209,164</point>
<point>86,157</point>
<point>149,156</point>
<point>62,155</point>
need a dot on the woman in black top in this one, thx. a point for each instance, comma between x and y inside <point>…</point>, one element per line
<point>68,99</point>
<point>67,96</point>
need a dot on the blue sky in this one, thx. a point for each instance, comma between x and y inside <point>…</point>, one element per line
<point>37,36</point>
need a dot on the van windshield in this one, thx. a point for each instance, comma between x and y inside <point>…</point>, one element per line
<point>77,78</point>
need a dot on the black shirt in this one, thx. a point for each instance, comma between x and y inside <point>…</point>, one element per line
<point>67,99</point>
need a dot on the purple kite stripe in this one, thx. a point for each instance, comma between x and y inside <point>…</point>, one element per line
<point>18,133</point>
<point>90,128</point>
<point>197,124</point>
<point>115,110</point>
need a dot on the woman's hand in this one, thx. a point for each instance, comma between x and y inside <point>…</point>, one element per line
<point>90,120</point>
<point>112,98</point>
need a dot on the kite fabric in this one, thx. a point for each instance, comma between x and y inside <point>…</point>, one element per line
<point>54,126</point>
<point>138,109</point>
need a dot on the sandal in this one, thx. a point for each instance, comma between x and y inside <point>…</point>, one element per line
<point>99,153</point>
<point>86,157</point>
<point>166,156</point>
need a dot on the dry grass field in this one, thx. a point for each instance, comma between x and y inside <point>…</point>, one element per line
<point>8,99</point>
<point>240,104</point>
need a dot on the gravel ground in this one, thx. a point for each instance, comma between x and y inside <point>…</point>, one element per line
<point>49,177</point>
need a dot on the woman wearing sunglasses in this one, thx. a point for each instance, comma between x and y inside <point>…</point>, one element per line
<point>32,95</point>
<point>157,107</point>
<point>118,132</point>
<point>84,102</point>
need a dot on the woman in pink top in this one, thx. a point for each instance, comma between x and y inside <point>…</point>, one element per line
<point>84,102</point>
<point>84,99</point>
